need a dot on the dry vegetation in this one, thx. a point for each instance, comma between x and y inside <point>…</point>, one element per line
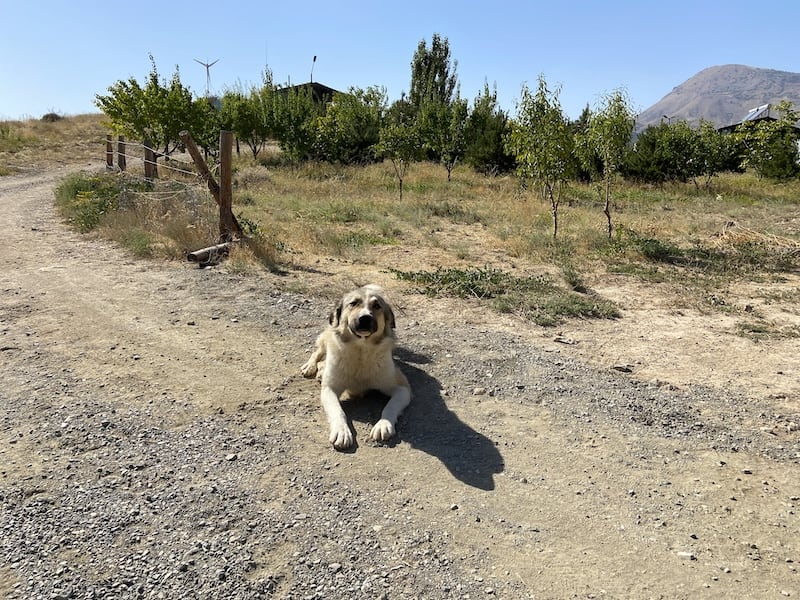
<point>475,235</point>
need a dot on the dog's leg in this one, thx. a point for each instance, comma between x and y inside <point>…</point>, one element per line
<point>385,428</point>
<point>309,369</point>
<point>341,436</point>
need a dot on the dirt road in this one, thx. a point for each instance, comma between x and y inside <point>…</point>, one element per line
<point>157,440</point>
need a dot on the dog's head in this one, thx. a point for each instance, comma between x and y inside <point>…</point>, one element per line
<point>364,313</point>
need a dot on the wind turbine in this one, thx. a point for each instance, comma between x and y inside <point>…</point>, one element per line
<point>208,72</point>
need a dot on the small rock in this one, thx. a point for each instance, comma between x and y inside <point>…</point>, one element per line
<point>231,457</point>
<point>687,555</point>
<point>335,567</point>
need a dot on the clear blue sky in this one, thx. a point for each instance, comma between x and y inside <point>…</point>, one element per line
<point>56,55</point>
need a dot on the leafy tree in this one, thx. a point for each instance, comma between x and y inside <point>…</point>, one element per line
<point>442,126</point>
<point>157,111</point>
<point>770,147</point>
<point>206,125</point>
<point>543,144</point>
<point>589,164</point>
<point>400,141</point>
<point>664,152</point>
<point>433,73</point>
<point>350,128</point>
<point>250,116</point>
<point>716,152</point>
<point>609,134</point>
<point>296,114</point>
<point>485,132</point>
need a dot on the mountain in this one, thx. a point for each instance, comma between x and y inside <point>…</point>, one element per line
<point>723,95</point>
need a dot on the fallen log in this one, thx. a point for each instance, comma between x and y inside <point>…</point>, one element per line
<point>210,255</point>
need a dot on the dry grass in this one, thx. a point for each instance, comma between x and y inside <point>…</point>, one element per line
<point>31,144</point>
<point>741,229</point>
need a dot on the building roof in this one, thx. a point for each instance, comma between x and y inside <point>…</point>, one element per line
<point>320,92</point>
<point>759,113</point>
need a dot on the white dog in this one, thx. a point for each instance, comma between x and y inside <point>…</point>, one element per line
<point>356,352</point>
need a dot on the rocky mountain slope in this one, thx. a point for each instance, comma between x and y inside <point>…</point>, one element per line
<point>723,95</point>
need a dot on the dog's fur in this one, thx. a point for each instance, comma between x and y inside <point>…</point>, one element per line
<point>354,355</point>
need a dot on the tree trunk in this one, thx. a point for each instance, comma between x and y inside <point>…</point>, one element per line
<point>607,207</point>
<point>553,208</point>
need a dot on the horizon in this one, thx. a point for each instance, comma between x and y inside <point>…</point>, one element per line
<point>587,51</point>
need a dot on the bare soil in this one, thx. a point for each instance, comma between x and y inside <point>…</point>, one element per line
<point>157,439</point>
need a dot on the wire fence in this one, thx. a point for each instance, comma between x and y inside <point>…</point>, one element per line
<point>193,179</point>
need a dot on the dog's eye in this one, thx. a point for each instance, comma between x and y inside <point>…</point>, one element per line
<point>355,302</point>
<point>376,305</point>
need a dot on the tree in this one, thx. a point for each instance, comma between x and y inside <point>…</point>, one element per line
<point>442,127</point>
<point>400,139</point>
<point>771,146</point>
<point>542,142</point>
<point>296,114</point>
<point>350,129</point>
<point>664,152</point>
<point>485,133</point>
<point>157,111</point>
<point>609,134</point>
<point>716,152</point>
<point>249,115</point>
<point>433,74</point>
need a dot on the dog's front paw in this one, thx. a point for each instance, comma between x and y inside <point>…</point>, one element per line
<point>309,369</point>
<point>341,437</point>
<point>383,430</point>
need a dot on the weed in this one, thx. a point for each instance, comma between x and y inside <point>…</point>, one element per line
<point>85,199</point>
<point>454,213</point>
<point>139,242</point>
<point>536,298</point>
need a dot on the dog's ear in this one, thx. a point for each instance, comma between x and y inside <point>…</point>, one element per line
<point>336,315</point>
<point>389,313</point>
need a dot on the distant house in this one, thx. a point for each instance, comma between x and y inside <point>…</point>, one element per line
<point>760,113</point>
<point>321,94</point>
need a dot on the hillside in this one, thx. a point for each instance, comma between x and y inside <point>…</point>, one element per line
<point>723,95</point>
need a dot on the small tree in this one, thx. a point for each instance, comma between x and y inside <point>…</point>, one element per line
<point>296,114</point>
<point>609,134</point>
<point>157,111</point>
<point>400,141</point>
<point>485,133</point>
<point>442,126</point>
<point>664,152</point>
<point>716,152</point>
<point>249,115</point>
<point>542,142</point>
<point>350,129</point>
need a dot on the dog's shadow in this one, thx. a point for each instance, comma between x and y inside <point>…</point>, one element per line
<point>428,425</point>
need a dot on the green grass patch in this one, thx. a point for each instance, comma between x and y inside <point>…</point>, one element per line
<point>85,199</point>
<point>537,298</point>
<point>453,212</point>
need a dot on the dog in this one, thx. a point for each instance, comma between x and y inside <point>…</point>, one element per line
<point>352,356</point>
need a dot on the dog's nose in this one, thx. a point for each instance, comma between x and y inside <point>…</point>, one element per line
<point>365,322</point>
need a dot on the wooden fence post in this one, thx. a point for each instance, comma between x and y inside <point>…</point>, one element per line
<point>201,165</point>
<point>121,163</point>
<point>228,227</point>
<point>150,165</point>
<point>109,153</point>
